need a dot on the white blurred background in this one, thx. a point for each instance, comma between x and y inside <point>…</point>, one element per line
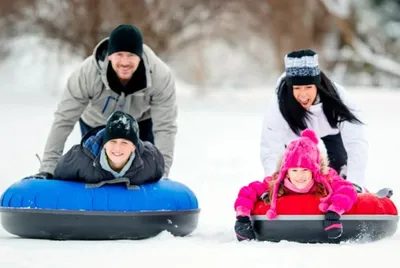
<point>226,56</point>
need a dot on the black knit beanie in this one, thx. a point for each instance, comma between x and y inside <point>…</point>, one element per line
<point>302,68</point>
<point>121,125</point>
<point>126,38</point>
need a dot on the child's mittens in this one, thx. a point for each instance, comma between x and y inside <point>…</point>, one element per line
<point>332,225</point>
<point>244,229</point>
<point>323,206</point>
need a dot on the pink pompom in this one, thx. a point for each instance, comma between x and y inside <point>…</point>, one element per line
<point>308,133</point>
<point>271,214</point>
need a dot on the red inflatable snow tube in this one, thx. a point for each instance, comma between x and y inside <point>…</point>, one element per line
<point>299,219</point>
<point>367,204</point>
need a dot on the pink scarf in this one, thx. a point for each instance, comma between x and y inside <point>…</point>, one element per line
<point>293,188</point>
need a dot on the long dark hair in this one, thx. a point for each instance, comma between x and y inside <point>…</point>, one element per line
<point>295,114</point>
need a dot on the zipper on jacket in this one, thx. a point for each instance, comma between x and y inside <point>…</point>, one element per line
<point>120,102</point>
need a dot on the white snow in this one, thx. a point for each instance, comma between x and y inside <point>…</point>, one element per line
<point>342,9</point>
<point>216,153</point>
<point>122,120</point>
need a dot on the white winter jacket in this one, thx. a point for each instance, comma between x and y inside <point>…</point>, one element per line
<point>276,133</point>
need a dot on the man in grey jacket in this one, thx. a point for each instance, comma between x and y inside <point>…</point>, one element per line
<point>122,74</point>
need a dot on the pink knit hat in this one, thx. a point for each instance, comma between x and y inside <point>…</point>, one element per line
<point>304,153</point>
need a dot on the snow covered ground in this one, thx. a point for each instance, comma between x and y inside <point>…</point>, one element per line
<point>216,153</point>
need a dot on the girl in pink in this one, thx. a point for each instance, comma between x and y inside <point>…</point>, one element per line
<point>303,169</point>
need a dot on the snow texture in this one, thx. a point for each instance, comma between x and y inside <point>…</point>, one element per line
<point>122,121</point>
<point>215,155</point>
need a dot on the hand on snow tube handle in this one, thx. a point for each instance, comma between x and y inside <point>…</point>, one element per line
<point>332,225</point>
<point>244,229</point>
<point>40,175</point>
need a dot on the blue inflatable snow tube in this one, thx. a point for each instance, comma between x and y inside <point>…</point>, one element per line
<point>53,209</point>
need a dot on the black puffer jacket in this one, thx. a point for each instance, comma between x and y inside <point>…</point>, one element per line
<point>82,162</point>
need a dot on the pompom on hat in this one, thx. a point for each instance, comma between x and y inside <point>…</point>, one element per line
<point>304,153</point>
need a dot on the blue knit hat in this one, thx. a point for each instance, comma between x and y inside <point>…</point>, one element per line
<point>302,68</point>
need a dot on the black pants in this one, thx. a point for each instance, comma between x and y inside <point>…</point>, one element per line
<point>145,129</point>
<point>337,154</point>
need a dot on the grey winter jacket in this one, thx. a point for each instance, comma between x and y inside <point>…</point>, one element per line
<point>82,162</point>
<point>88,96</point>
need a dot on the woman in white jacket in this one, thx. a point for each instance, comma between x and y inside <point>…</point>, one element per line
<point>306,98</point>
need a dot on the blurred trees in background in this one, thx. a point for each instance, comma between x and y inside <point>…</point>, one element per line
<point>215,42</point>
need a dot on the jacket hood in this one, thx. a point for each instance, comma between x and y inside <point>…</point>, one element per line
<point>100,54</point>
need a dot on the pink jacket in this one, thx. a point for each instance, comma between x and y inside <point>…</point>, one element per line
<point>342,199</point>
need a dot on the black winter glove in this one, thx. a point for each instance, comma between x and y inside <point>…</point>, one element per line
<point>385,192</point>
<point>244,229</point>
<point>332,225</point>
<point>343,174</point>
<point>41,175</point>
<point>358,188</point>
